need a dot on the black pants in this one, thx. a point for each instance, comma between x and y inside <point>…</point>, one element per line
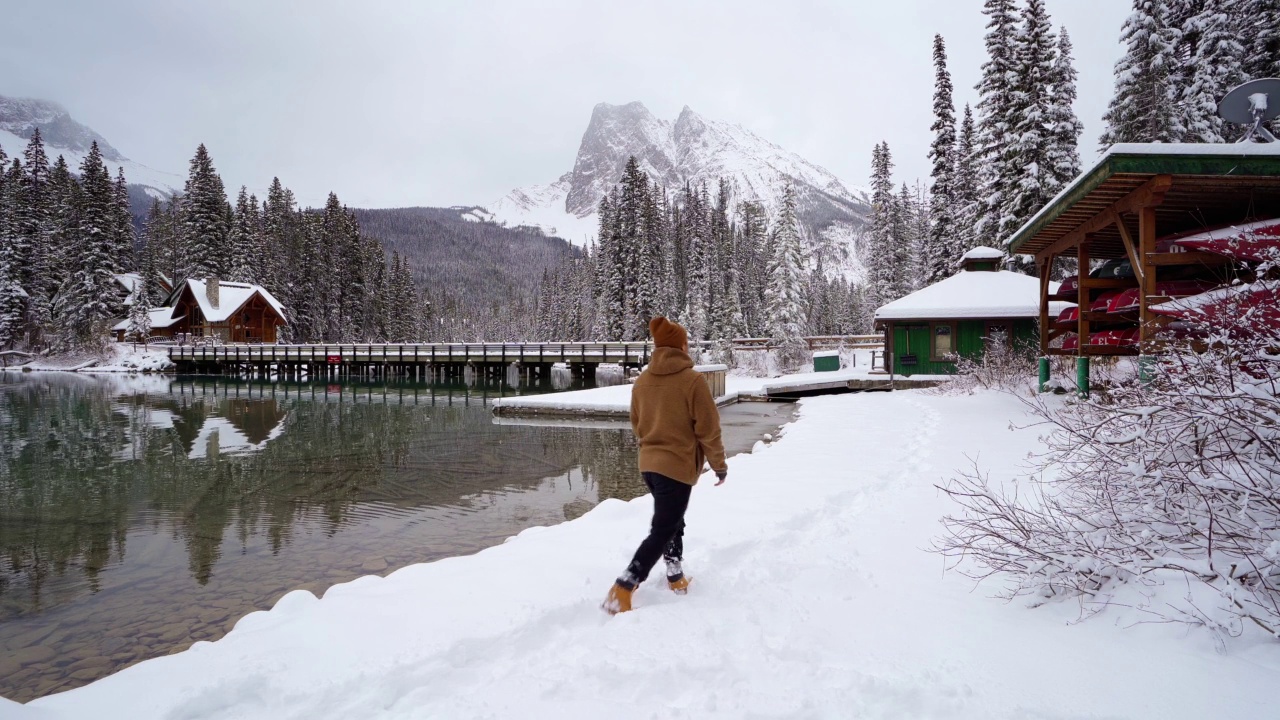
<point>666,531</point>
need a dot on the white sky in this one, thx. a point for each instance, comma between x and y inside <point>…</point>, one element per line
<point>404,102</point>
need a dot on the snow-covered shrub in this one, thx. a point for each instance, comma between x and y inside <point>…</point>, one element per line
<point>794,355</point>
<point>1002,366</point>
<point>1174,479</point>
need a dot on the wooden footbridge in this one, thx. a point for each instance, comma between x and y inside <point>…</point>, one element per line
<point>440,362</point>
<point>421,361</point>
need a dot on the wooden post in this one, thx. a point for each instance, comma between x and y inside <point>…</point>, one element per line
<point>1046,270</point>
<point>1083,297</point>
<point>1146,247</point>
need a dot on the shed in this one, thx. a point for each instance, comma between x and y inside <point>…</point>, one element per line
<point>1130,209</point>
<point>926,330</point>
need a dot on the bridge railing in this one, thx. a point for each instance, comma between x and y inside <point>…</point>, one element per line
<point>619,352</point>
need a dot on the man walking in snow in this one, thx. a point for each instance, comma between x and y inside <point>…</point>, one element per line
<point>678,427</point>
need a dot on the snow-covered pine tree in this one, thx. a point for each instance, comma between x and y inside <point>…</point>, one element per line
<point>11,293</point>
<point>882,269</point>
<point>906,240</point>
<point>244,252</point>
<point>785,295</point>
<point>139,327</point>
<point>965,189</point>
<point>695,215</point>
<point>122,221</point>
<point>1026,155</point>
<point>1215,69</point>
<point>1064,127</point>
<point>612,273</point>
<point>753,259</point>
<point>1262,23</point>
<point>204,219</point>
<point>937,258</point>
<point>1143,108</point>
<point>94,296</point>
<point>996,118</point>
<point>31,210</point>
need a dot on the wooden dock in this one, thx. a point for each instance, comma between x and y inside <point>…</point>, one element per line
<point>809,388</point>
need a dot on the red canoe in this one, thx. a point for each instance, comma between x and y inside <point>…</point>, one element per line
<point>1252,242</point>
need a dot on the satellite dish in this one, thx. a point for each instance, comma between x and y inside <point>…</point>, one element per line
<point>1253,104</point>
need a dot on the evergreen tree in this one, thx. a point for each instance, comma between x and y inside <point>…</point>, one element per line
<point>12,296</point>
<point>1215,69</point>
<point>139,327</point>
<point>785,295</point>
<point>1025,156</point>
<point>936,258</point>
<point>1144,104</point>
<point>244,241</point>
<point>882,269</point>
<point>611,278</point>
<point>93,298</point>
<point>966,186</point>
<point>204,219</point>
<point>122,224</point>
<point>31,211</point>
<point>996,117</point>
<point>1064,128</point>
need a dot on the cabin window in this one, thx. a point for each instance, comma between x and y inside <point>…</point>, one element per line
<point>999,335</point>
<point>944,347</point>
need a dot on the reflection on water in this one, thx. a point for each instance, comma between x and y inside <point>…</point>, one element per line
<point>140,514</point>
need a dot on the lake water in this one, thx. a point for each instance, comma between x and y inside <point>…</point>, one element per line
<point>140,514</point>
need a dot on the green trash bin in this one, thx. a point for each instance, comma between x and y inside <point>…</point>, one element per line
<point>826,361</point>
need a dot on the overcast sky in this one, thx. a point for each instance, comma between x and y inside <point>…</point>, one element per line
<point>418,102</point>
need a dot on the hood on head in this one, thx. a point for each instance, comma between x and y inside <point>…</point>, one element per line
<point>669,361</point>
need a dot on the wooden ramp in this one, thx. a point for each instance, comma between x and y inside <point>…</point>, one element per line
<point>810,388</point>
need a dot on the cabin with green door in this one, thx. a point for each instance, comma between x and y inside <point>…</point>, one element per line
<point>927,330</point>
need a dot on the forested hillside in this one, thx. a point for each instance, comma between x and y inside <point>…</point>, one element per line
<point>476,264</point>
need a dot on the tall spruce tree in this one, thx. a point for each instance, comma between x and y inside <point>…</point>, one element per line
<point>122,224</point>
<point>996,117</point>
<point>94,294</point>
<point>1143,108</point>
<point>936,258</point>
<point>966,188</point>
<point>883,271</point>
<point>785,295</point>
<point>12,296</point>
<point>1025,155</point>
<point>1064,128</point>
<point>1215,68</point>
<point>204,218</point>
<point>245,252</point>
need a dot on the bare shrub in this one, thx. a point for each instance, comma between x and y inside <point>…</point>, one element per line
<point>1177,477</point>
<point>1002,366</point>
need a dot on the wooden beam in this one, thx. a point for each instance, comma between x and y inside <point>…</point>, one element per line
<point>1147,243</point>
<point>1129,249</point>
<point>1149,194</point>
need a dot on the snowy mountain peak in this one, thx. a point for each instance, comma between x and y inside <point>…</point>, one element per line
<point>62,135</point>
<point>21,117</point>
<point>692,149</point>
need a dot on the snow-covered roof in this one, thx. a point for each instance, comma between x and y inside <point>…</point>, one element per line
<point>129,281</point>
<point>1171,150</point>
<point>231,297</point>
<point>997,294</point>
<point>982,252</point>
<point>160,318</point>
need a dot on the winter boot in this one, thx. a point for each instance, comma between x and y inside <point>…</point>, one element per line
<point>676,579</point>
<point>618,600</point>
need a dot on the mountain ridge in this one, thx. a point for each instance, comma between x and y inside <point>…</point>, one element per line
<point>690,149</point>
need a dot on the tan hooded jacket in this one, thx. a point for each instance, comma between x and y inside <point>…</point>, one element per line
<point>675,418</point>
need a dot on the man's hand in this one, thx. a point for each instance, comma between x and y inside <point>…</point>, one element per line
<point>721,475</point>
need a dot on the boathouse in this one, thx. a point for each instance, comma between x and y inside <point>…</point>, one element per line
<point>1132,223</point>
<point>926,331</point>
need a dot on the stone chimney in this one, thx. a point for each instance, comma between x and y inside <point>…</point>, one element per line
<point>213,290</point>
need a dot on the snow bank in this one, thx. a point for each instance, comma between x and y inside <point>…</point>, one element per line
<point>811,598</point>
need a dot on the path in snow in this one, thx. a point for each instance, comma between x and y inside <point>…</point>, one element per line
<point>812,597</point>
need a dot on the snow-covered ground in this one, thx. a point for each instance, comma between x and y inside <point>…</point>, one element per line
<point>813,596</point>
<point>119,357</point>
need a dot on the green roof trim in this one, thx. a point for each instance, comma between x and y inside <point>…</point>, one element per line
<point>1191,160</point>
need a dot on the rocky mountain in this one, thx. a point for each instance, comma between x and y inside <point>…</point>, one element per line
<point>692,149</point>
<point>63,135</point>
